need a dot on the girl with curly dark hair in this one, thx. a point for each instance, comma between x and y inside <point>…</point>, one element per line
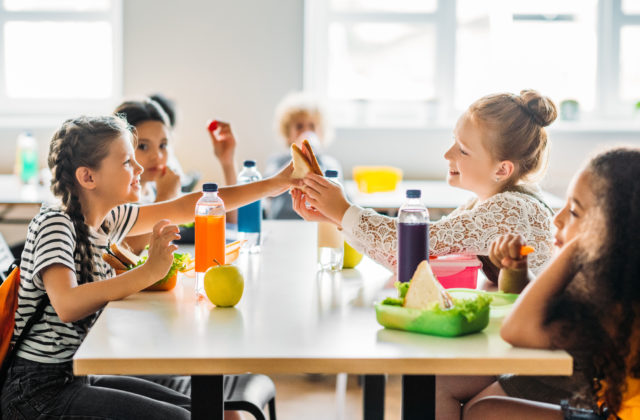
<point>587,301</point>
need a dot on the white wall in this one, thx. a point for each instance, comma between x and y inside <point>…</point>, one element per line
<point>229,60</point>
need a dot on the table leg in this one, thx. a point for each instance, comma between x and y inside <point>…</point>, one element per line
<point>418,397</point>
<point>207,401</point>
<point>373,397</point>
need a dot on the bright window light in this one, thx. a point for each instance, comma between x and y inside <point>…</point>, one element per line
<point>631,6</point>
<point>397,6</point>
<point>548,46</point>
<point>58,59</point>
<point>630,63</point>
<point>56,5</point>
<point>381,61</point>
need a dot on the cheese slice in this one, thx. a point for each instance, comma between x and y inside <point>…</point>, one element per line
<point>425,289</point>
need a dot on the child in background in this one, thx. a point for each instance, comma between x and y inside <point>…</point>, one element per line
<point>223,140</point>
<point>298,117</point>
<point>587,301</point>
<point>499,144</point>
<point>159,181</point>
<point>96,176</point>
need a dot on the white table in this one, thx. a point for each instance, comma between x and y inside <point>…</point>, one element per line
<point>15,193</point>
<point>292,319</point>
<point>439,197</point>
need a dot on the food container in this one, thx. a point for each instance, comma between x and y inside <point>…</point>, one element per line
<point>372,179</point>
<point>444,323</point>
<point>456,270</point>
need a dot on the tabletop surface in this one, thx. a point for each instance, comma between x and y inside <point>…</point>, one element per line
<point>435,194</point>
<point>291,319</point>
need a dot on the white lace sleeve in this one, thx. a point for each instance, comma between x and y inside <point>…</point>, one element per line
<point>464,231</point>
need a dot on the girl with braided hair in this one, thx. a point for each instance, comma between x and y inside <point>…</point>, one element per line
<point>499,146</point>
<point>96,176</point>
<point>587,301</point>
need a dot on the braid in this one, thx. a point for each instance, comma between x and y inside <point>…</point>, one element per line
<point>80,142</point>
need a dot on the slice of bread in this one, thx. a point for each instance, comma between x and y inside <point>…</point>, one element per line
<point>114,262</point>
<point>311,157</point>
<point>302,165</point>
<point>125,255</point>
<point>425,289</point>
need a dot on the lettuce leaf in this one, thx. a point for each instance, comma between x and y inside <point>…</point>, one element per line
<point>468,308</point>
<point>179,263</point>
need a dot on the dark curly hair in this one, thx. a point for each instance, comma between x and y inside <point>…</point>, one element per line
<point>598,310</point>
<point>82,141</point>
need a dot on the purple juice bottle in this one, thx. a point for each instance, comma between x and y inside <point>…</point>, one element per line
<point>413,235</point>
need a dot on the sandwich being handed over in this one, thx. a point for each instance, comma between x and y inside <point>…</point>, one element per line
<point>304,163</point>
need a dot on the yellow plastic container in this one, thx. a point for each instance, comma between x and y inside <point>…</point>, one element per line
<point>372,179</point>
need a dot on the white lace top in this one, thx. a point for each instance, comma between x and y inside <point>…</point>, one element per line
<point>469,229</point>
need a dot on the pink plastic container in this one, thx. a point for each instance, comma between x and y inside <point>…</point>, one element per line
<point>456,270</point>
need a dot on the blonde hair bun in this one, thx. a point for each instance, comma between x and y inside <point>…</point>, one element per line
<point>541,108</point>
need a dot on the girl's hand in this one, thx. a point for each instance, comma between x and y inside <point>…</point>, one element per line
<point>300,207</point>
<point>504,252</point>
<point>224,143</point>
<point>283,180</point>
<point>161,249</point>
<point>326,197</point>
<point>167,185</point>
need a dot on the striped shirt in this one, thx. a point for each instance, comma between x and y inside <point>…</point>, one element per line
<point>51,239</point>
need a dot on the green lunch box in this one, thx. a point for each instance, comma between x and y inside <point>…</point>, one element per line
<point>449,323</point>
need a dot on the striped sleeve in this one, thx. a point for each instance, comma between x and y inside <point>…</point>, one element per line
<point>54,244</point>
<point>120,220</point>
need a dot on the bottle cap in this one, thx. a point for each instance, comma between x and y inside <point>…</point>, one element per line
<point>249,163</point>
<point>210,187</point>
<point>330,173</point>
<point>414,193</point>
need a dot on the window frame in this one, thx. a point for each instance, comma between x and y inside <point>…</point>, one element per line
<point>610,20</point>
<point>34,110</point>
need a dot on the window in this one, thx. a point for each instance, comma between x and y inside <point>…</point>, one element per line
<point>413,63</point>
<point>59,56</point>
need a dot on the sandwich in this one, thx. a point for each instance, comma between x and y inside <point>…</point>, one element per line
<point>123,259</point>
<point>425,290</point>
<point>304,164</point>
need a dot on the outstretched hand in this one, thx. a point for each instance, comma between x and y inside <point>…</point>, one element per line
<point>300,207</point>
<point>224,143</point>
<point>325,196</point>
<point>167,185</point>
<point>161,249</point>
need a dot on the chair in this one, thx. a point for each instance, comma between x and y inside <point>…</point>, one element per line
<point>251,393</point>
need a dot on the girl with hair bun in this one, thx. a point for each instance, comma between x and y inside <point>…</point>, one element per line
<point>499,146</point>
<point>96,177</point>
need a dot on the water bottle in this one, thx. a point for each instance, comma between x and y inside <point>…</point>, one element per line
<point>210,233</point>
<point>330,241</point>
<point>250,216</point>
<point>26,167</point>
<point>413,235</point>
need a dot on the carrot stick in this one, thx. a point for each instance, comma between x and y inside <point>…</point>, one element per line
<point>526,250</point>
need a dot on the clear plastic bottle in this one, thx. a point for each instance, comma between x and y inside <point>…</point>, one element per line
<point>210,233</point>
<point>330,240</point>
<point>26,167</point>
<point>413,235</point>
<point>250,216</point>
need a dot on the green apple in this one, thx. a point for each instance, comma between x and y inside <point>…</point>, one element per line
<point>224,285</point>
<point>351,257</point>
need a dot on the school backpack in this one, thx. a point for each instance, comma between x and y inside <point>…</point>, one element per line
<point>8,306</point>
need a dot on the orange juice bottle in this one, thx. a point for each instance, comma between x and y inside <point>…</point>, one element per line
<point>210,233</point>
